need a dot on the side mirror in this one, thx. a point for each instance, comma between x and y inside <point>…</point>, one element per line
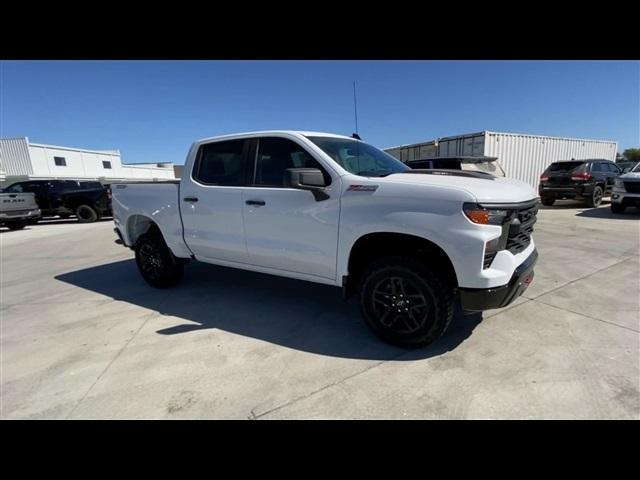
<point>307,179</point>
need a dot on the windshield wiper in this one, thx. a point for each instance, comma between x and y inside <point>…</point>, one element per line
<point>374,173</point>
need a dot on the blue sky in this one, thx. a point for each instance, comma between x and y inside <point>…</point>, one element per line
<point>152,111</point>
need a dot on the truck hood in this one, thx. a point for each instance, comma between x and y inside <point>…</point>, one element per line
<point>483,187</point>
<point>630,176</point>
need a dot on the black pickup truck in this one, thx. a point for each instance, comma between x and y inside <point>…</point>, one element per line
<point>88,201</point>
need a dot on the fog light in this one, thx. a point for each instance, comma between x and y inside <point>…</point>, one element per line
<point>615,196</point>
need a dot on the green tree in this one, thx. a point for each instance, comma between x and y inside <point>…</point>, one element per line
<point>632,154</point>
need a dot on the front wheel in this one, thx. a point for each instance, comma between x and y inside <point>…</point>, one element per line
<point>548,201</point>
<point>156,263</point>
<point>596,197</point>
<point>405,303</point>
<point>617,208</point>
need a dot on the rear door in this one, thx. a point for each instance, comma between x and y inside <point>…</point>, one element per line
<point>41,192</point>
<point>287,229</point>
<point>211,202</point>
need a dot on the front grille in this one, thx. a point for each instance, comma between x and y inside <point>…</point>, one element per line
<point>521,228</point>
<point>632,187</point>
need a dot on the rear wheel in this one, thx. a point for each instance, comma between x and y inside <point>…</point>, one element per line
<point>618,208</point>
<point>548,201</point>
<point>404,302</point>
<point>86,214</point>
<point>596,197</point>
<point>155,261</point>
<point>18,225</point>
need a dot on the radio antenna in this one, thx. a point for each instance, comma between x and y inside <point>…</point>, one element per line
<point>355,110</point>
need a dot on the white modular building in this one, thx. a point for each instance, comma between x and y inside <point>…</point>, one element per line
<point>22,160</point>
<point>522,156</point>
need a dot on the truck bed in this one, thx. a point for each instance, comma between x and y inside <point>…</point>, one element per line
<point>134,202</point>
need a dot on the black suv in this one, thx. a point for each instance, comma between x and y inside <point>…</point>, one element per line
<point>587,180</point>
<point>88,201</point>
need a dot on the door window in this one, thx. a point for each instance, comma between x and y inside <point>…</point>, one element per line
<point>220,163</point>
<point>276,155</point>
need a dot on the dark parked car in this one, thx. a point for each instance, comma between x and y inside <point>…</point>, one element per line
<point>86,200</point>
<point>586,180</point>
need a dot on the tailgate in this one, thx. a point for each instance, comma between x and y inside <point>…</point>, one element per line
<point>560,179</point>
<point>17,202</point>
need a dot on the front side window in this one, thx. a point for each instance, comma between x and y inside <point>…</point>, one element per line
<point>612,168</point>
<point>220,163</point>
<point>358,157</point>
<point>276,155</point>
<point>60,161</point>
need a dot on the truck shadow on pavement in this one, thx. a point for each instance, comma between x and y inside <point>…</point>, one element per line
<point>631,213</point>
<point>300,315</point>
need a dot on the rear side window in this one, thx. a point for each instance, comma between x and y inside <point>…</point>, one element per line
<point>596,167</point>
<point>564,166</point>
<point>15,188</point>
<point>220,163</point>
<point>276,155</point>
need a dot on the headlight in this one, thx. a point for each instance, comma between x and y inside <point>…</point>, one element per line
<point>485,216</point>
<point>619,183</point>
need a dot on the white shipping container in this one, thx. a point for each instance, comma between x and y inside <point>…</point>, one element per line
<point>523,157</point>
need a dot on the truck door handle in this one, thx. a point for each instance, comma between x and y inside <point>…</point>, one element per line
<point>257,203</point>
<point>190,199</point>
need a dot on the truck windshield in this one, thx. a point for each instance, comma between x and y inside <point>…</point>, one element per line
<point>358,157</point>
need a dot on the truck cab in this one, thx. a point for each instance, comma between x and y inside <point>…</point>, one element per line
<point>335,210</point>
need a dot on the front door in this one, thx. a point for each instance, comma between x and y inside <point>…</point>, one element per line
<point>286,228</point>
<point>211,203</point>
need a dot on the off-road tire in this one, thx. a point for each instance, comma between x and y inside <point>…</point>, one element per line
<point>156,263</point>
<point>388,320</point>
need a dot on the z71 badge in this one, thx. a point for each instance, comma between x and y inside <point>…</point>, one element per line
<point>362,188</point>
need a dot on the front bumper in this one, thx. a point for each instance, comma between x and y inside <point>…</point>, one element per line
<point>625,198</point>
<point>479,299</point>
<point>578,191</point>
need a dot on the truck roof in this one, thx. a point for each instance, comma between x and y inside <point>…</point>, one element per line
<point>270,132</point>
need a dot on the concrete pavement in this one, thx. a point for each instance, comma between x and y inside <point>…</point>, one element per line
<point>82,336</point>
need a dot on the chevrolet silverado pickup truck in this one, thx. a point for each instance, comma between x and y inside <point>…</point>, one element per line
<point>335,210</point>
<point>17,209</point>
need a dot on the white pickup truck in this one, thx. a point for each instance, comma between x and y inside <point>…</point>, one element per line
<point>335,210</point>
